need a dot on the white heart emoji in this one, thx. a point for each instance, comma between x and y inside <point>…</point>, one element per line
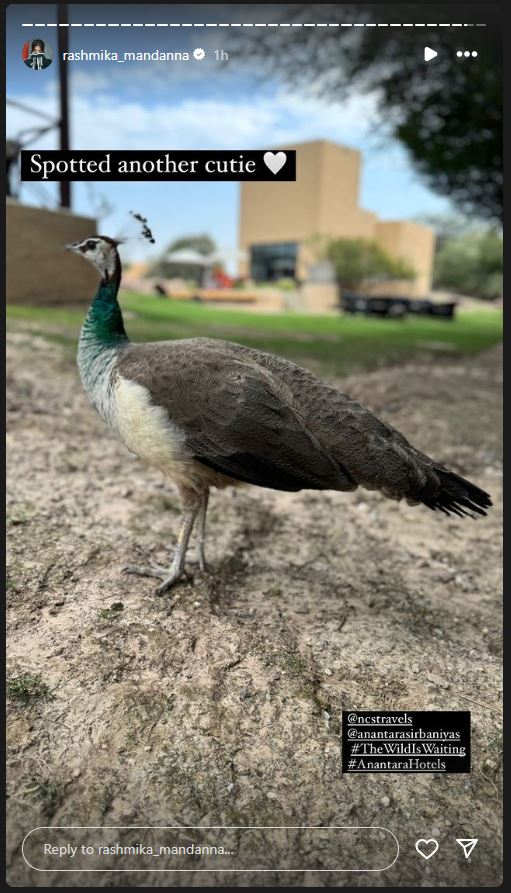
<point>426,848</point>
<point>275,161</point>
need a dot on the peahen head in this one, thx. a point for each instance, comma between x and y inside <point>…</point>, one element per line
<point>101,251</point>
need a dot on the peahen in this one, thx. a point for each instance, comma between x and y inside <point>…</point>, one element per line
<point>210,413</point>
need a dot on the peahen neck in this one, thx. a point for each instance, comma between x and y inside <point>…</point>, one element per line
<point>103,335</point>
<point>104,324</point>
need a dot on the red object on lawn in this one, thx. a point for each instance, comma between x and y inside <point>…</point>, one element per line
<point>222,280</point>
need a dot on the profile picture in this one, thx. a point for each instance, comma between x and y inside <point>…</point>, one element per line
<point>37,54</point>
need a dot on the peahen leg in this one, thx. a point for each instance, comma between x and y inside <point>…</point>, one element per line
<point>201,531</point>
<point>192,503</point>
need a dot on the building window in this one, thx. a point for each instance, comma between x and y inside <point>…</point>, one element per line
<point>269,263</point>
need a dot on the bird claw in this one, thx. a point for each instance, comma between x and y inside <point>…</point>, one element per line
<point>149,570</point>
<point>168,578</point>
<point>168,583</point>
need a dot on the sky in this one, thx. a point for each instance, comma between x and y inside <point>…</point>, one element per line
<point>188,105</point>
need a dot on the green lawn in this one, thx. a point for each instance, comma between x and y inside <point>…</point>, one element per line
<point>333,344</point>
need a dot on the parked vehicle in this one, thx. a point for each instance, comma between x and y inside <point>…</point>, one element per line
<point>394,307</point>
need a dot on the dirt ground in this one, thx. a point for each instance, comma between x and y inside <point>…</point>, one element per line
<point>227,710</point>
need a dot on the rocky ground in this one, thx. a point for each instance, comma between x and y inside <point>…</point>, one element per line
<point>227,710</point>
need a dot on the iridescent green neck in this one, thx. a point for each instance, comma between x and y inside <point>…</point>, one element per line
<point>104,322</point>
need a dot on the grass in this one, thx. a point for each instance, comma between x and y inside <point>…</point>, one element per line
<point>27,688</point>
<point>48,792</point>
<point>333,344</point>
<point>19,515</point>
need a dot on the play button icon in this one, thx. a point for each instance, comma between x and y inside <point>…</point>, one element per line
<point>429,54</point>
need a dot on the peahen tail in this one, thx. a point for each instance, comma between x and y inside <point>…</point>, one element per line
<point>452,494</point>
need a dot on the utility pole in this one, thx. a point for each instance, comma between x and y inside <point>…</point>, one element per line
<point>63,43</point>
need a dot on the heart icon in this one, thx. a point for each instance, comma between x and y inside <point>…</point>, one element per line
<point>426,848</point>
<point>275,161</point>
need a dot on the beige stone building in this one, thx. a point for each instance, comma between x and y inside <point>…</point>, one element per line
<point>278,219</point>
<point>39,269</point>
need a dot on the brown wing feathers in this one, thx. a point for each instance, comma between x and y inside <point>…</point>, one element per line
<point>264,442</point>
<point>233,416</point>
<point>257,418</point>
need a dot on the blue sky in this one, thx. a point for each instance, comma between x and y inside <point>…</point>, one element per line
<point>189,105</point>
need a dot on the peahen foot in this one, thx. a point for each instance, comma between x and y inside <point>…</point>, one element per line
<point>193,504</point>
<point>168,576</point>
<point>149,570</point>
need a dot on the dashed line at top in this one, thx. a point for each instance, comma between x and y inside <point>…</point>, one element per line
<point>254,25</point>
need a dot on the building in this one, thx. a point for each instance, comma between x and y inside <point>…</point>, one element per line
<point>278,220</point>
<point>39,269</point>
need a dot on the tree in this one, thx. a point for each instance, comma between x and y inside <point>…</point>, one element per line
<point>447,113</point>
<point>359,262</point>
<point>471,264</point>
<point>448,226</point>
<point>200,244</point>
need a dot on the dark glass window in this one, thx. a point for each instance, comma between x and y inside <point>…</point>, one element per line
<point>274,261</point>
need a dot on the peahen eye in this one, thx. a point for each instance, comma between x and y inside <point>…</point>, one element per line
<point>90,246</point>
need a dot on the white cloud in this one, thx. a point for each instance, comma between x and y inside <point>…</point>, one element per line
<point>101,121</point>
